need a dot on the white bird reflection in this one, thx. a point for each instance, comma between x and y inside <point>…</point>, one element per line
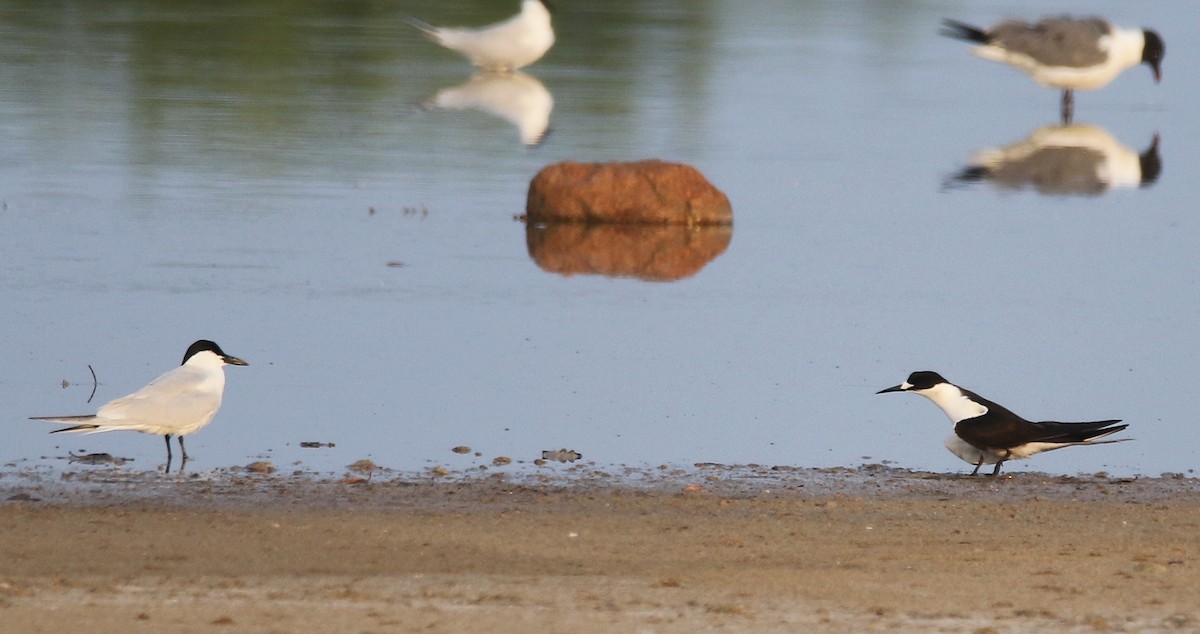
<point>515,97</point>
<point>1067,160</point>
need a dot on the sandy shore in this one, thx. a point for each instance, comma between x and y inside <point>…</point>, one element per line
<point>741,549</point>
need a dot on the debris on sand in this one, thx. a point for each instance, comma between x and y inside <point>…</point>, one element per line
<point>561,455</point>
<point>96,458</point>
<point>364,466</point>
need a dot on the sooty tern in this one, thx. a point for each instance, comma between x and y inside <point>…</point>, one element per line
<point>988,433</point>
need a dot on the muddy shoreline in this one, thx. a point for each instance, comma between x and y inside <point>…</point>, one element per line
<point>705,547</point>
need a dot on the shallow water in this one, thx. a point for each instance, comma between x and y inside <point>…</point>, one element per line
<point>261,174</point>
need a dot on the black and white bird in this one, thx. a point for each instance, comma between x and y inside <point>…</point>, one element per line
<point>1069,160</point>
<point>501,47</point>
<point>1064,52</point>
<point>177,403</point>
<point>987,433</point>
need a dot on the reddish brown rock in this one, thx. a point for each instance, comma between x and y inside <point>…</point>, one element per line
<point>641,192</point>
<point>654,253</point>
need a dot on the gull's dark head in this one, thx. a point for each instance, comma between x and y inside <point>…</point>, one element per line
<point>1152,53</point>
<point>917,381</point>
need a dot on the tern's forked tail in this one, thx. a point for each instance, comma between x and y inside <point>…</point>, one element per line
<point>962,31</point>
<point>424,27</point>
<point>68,420</point>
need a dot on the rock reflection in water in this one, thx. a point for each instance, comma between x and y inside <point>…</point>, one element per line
<point>516,97</point>
<point>658,253</point>
<point>1070,160</point>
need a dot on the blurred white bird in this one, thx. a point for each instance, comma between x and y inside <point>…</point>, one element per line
<point>502,47</point>
<point>1064,52</point>
<point>177,403</point>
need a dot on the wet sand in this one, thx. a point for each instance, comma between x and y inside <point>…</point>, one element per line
<point>741,549</point>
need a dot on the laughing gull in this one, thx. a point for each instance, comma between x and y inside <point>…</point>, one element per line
<point>1064,52</point>
<point>1079,159</point>
<point>995,433</point>
<point>177,403</point>
<point>501,47</point>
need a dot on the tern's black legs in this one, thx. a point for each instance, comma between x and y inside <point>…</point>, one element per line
<point>182,449</point>
<point>995,472</point>
<point>1068,106</point>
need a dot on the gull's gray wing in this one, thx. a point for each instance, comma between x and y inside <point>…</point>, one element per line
<point>1060,41</point>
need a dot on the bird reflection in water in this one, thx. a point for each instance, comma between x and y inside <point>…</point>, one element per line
<point>1068,160</point>
<point>516,97</point>
<point>656,253</point>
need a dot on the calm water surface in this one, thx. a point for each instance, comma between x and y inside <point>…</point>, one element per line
<point>261,173</point>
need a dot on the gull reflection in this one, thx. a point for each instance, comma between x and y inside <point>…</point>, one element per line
<point>1067,160</point>
<point>515,97</point>
<point>657,253</point>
